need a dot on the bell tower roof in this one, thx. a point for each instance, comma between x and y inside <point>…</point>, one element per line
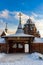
<point>19,29</point>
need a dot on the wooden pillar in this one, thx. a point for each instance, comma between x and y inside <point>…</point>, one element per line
<point>29,47</point>
<point>7,48</point>
<point>1,48</point>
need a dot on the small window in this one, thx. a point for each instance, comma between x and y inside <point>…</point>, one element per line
<point>20,46</point>
<point>15,46</point>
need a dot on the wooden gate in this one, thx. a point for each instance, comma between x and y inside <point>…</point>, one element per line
<point>16,48</point>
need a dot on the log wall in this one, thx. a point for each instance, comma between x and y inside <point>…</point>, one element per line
<point>3,48</point>
<point>36,47</point>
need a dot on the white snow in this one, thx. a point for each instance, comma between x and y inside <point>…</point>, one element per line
<point>18,35</point>
<point>2,40</point>
<point>38,40</point>
<point>36,56</point>
<point>21,59</point>
<point>1,55</point>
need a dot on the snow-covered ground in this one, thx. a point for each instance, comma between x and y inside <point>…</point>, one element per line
<point>21,59</point>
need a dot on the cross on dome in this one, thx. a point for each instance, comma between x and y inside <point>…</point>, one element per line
<point>19,30</point>
<point>20,17</point>
<point>6,28</point>
<point>20,14</point>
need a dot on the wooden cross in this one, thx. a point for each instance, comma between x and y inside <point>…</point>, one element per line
<point>20,17</point>
<point>6,28</point>
<point>6,25</point>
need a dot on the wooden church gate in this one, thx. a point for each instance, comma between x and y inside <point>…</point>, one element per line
<point>16,47</point>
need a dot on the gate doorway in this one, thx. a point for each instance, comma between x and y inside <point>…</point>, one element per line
<point>26,48</point>
<point>16,48</point>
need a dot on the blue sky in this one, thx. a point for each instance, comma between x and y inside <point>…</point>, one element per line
<point>21,5</point>
<point>9,10</point>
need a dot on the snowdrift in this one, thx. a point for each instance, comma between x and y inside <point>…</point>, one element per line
<point>2,55</point>
<point>36,56</point>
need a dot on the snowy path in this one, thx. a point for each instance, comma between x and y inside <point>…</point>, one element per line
<point>20,59</point>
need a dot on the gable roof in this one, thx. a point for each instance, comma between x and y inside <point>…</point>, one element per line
<point>3,33</point>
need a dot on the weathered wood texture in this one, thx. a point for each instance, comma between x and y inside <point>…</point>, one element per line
<point>36,47</point>
<point>3,48</point>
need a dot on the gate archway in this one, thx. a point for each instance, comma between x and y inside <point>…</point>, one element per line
<point>17,47</point>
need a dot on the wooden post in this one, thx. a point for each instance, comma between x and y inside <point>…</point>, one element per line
<point>7,48</point>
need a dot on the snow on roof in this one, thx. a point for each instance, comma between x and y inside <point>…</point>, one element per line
<point>18,35</point>
<point>2,32</point>
<point>2,40</point>
<point>6,33</point>
<point>38,40</point>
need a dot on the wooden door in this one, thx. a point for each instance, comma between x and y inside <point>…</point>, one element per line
<point>16,48</point>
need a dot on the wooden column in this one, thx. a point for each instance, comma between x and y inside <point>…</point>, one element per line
<point>7,48</point>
